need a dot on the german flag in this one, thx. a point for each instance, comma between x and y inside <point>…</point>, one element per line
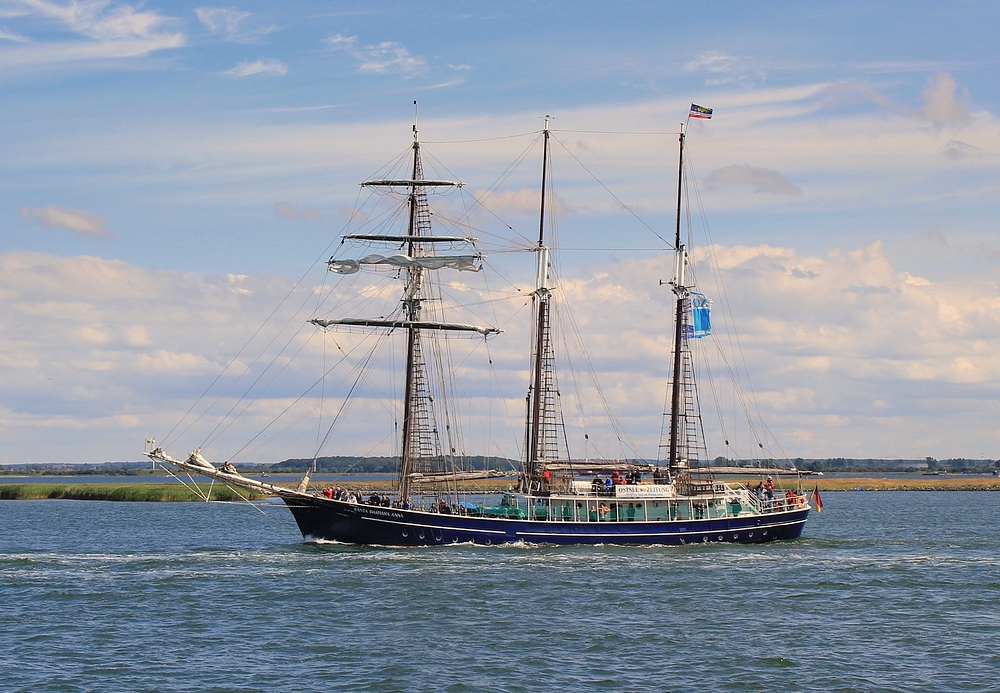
<point>817,501</point>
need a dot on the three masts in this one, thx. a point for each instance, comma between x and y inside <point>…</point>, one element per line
<point>551,504</point>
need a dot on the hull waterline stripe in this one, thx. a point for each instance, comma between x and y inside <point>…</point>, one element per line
<point>662,534</point>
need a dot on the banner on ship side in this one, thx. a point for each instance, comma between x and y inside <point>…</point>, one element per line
<point>644,491</point>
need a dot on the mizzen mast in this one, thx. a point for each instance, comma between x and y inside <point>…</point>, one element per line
<point>686,437</point>
<point>680,291</point>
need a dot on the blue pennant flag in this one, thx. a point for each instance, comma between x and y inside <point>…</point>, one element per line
<point>701,316</point>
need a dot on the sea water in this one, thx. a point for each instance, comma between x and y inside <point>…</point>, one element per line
<point>884,592</point>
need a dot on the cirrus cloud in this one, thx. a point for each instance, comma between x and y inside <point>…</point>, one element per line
<point>9,36</point>
<point>725,69</point>
<point>261,66</point>
<point>230,23</point>
<point>103,30</point>
<point>382,58</point>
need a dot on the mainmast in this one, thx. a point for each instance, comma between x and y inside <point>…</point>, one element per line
<point>541,434</point>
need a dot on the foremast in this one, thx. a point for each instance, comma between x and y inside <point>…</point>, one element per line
<point>544,422</point>
<point>420,437</point>
<point>416,441</point>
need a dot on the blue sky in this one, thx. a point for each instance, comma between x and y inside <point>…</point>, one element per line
<point>170,169</point>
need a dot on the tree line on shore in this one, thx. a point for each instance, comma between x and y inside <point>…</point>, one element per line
<point>387,465</point>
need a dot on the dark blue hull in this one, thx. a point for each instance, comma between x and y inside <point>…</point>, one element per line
<point>330,520</point>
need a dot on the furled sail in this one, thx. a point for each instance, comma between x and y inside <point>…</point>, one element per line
<point>464,263</point>
<point>407,238</point>
<point>408,324</point>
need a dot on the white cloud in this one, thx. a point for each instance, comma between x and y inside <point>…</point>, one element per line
<point>94,341</point>
<point>380,58</point>
<point>107,31</point>
<point>220,19</point>
<point>862,355</point>
<point>858,321</point>
<point>76,220</point>
<point>10,36</point>
<point>261,66</point>
<point>725,69</point>
<point>946,104</point>
<point>230,23</point>
<point>849,355</point>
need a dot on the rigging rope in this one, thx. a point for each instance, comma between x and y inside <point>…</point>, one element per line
<point>628,209</point>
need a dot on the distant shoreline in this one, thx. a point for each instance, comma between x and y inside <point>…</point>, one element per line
<point>957,482</point>
<point>174,492</point>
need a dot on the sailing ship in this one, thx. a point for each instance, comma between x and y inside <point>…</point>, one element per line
<point>556,500</point>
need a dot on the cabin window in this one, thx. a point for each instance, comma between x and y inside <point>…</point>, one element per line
<point>680,510</point>
<point>542,509</point>
<point>717,508</point>
<point>656,510</point>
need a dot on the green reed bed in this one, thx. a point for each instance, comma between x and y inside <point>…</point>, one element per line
<point>152,492</point>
